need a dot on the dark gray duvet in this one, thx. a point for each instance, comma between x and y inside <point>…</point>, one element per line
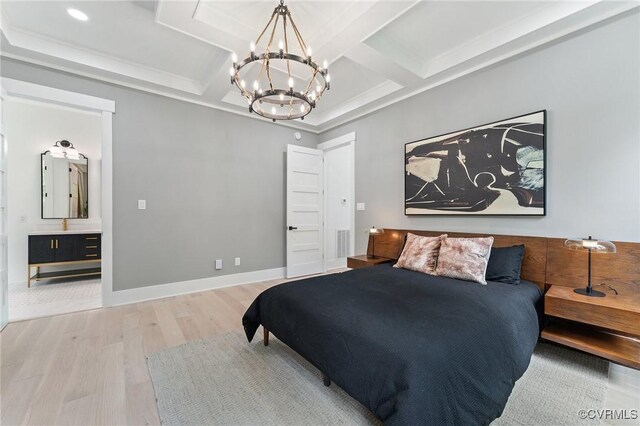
<point>413,348</point>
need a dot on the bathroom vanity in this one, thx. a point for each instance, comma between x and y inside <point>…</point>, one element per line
<point>72,247</point>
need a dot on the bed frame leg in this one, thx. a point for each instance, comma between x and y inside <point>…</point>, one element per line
<point>266,336</point>
<point>326,380</point>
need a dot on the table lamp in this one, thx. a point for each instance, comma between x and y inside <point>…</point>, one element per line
<point>591,246</point>
<point>372,234</point>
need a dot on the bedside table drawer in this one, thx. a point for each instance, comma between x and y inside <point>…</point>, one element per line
<point>601,315</point>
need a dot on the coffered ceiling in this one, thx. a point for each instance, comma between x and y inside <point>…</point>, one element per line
<point>379,52</point>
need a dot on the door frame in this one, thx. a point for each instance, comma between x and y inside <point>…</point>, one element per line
<point>345,140</point>
<point>4,279</point>
<point>106,108</point>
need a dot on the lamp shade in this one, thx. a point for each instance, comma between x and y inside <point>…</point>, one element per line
<point>590,244</point>
<point>56,151</point>
<point>73,154</point>
<point>375,231</point>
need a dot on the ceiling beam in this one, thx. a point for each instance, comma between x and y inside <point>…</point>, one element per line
<point>370,58</point>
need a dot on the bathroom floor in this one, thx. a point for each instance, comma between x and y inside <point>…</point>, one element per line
<point>53,297</point>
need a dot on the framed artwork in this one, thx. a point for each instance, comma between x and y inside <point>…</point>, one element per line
<point>496,169</point>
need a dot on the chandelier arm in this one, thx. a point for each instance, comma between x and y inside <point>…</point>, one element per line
<point>303,45</point>
<point>268,67</point>
<point>286,43</point>
<point>313,77</point>
<point>267,26</point>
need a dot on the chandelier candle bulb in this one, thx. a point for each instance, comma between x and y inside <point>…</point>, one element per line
<point>256,86</point>
<point>325,65</point>
<point>243,84</point>
<point>290,82</point>
<point>234,58</point>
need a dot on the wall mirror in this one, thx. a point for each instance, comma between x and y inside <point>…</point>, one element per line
<point>65,183</point>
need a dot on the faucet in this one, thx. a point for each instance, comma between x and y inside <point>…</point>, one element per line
<point>64,225</point>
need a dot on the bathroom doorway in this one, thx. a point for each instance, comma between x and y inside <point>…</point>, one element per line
<point>54,197</point>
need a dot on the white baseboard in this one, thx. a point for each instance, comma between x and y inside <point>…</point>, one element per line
<point>337,263</point>
<point>141,294</point>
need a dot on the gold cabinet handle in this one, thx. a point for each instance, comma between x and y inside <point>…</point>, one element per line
<point>56,243</point>
<point>92,255</point>
<point>92,238</point>
<point>91,247</point>
<point>51,244</point>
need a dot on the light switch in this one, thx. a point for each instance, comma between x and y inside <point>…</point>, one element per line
<point>360,206</point>
<point>142,204</point>
<point>218,263</point>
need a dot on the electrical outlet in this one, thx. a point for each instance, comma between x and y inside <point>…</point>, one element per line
<point>360,206</point>
<point>237,261</point>
<point>218,264</point>
<point>142,204</point>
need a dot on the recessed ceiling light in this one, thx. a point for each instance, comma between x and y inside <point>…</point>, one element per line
<point>80,16</point>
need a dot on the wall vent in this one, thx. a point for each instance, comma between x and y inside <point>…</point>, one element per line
<point>342,243</point>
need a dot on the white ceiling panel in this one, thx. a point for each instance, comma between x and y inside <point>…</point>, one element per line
<point>438,27</point>
<point>120,29</point>
<point>351,81</point>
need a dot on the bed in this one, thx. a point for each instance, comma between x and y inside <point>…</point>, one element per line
<point>413,348</point>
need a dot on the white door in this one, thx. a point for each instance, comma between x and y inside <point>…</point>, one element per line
<point>4,274</point>
<point>304,211</point>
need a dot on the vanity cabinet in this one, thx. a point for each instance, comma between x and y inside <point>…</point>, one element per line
<point>63,249</point>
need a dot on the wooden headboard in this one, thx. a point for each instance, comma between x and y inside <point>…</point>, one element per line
<point>546,262</point>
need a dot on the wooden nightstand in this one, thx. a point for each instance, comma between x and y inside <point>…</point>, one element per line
<point>608,327</point>
<point>363,261</point>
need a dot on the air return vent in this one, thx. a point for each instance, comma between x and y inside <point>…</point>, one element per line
<point>342,243</point>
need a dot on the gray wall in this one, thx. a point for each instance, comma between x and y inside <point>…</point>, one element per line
<point>213,181</point>
<point>590,86</point>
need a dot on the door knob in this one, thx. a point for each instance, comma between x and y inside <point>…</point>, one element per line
<point>291,228</point>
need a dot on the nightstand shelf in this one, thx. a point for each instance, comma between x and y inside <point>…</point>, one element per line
<point>364,261</point>
<point>608,327</point>
<point>614,347</point>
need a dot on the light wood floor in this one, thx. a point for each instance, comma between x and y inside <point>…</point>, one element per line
<point>89,368</point>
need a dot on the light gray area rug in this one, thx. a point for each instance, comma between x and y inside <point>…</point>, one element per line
<point>226,381</point>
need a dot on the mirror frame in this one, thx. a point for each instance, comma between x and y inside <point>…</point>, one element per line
<point>42,190</point>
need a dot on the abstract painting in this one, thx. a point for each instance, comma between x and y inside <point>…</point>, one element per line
<point>493,169</point>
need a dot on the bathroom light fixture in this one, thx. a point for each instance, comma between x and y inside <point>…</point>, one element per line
<point>77,14</point>
<point>64,149</point>
<point>272,95</point>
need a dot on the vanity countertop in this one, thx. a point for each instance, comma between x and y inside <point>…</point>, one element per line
<point>69,231</point>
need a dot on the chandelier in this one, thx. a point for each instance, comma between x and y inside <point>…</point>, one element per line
<point>273,91</point>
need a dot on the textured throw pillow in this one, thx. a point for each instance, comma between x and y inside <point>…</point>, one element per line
<point>420,253</point>
<point>464,258</point>
<point>505,264</point>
